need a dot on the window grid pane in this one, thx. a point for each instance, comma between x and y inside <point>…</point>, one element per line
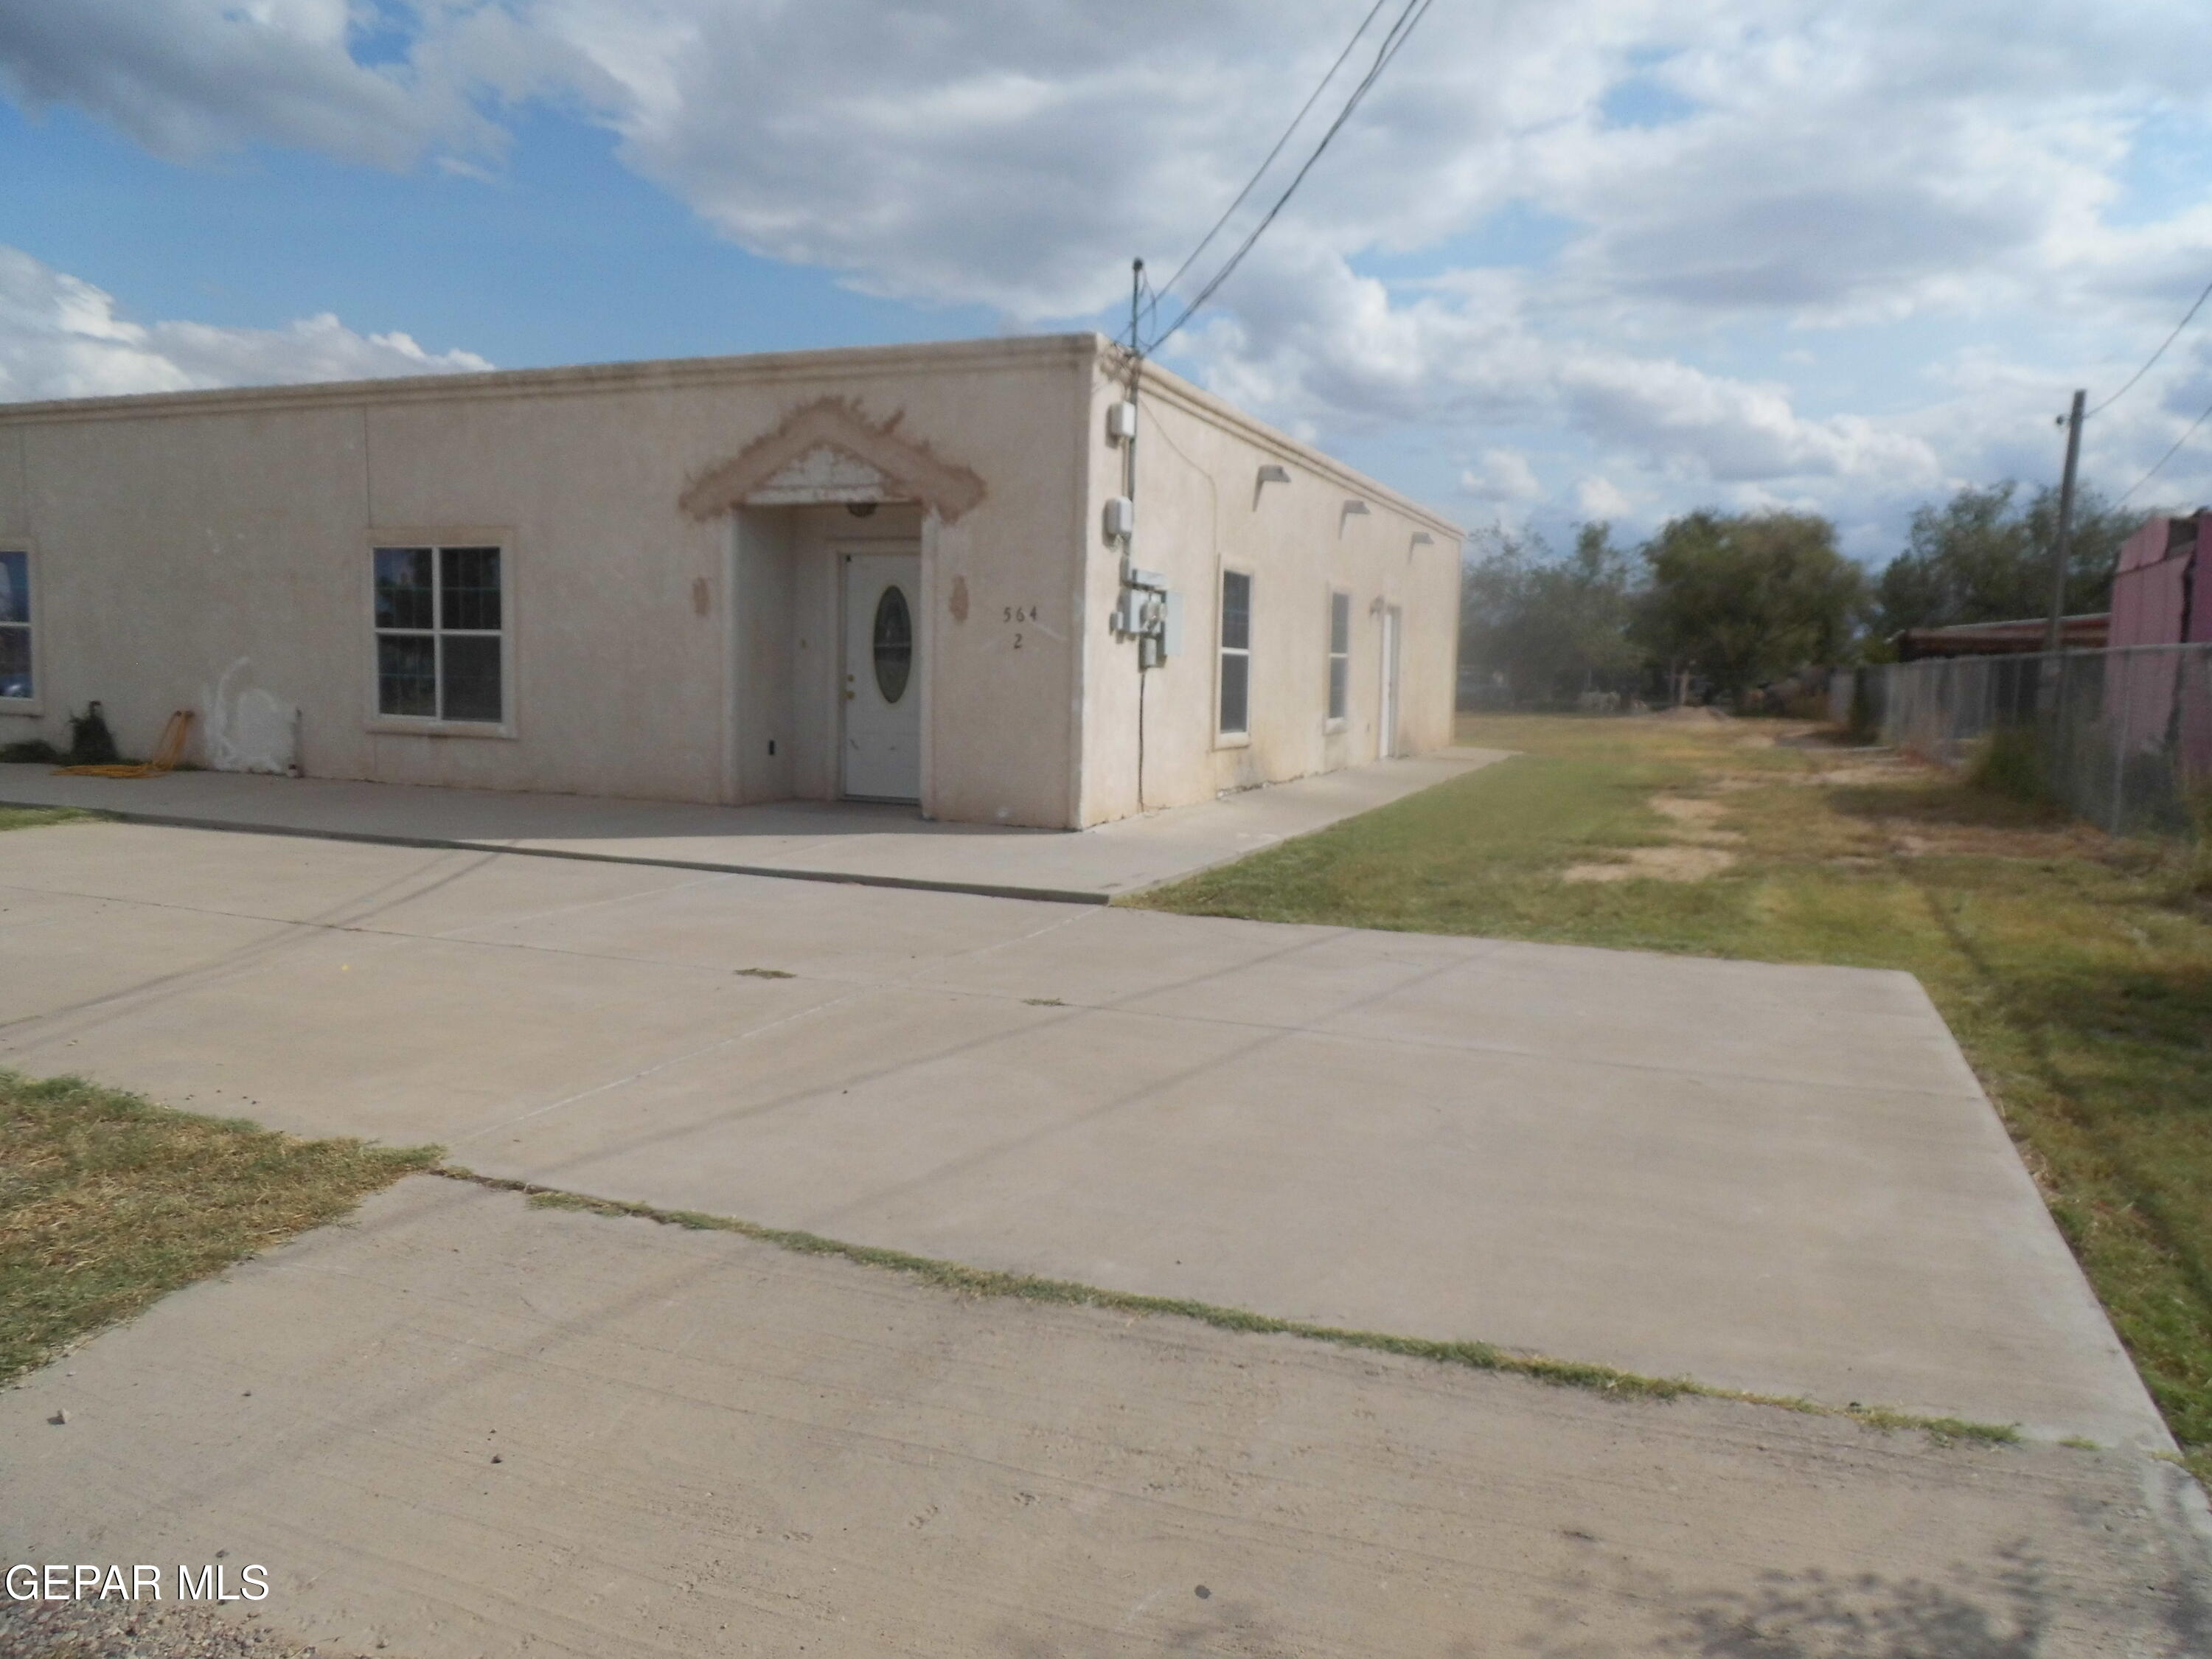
<point>15,624</point>
<point>15,587</point>
<point>469,588</point>
<point>1236,684</point>
<point>1236,611</point>
<point>1235,651</point>
<point>403,587</point>
<point>1340,653</point>
<point>470,663</point>
<point>15,662</point>
<point>407,675</point>
<point>438,617</point>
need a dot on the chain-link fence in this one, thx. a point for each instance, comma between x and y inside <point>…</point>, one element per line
<point>2121,738</point>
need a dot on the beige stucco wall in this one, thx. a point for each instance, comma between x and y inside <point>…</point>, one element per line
<point>655,653</point>
<point>176,535</point>
<point>167,550</point>
<point>1200,510</point>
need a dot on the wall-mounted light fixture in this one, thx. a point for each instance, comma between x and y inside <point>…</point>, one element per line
<point>1269,474</point>
<point>1422,538</point>
<point>1353,509</point>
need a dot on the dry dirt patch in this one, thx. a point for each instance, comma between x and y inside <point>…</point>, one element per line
<point>1871,772</point>
<point>1697,820</point>
<point>1678,863</point>
<point>1701,847</point>
<point>1938,839</point>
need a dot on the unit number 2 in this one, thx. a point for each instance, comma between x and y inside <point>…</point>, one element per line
<point>1018,613</point>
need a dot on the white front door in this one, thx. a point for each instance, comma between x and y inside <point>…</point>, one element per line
<point>882,677</point>
<point>1386,741</point>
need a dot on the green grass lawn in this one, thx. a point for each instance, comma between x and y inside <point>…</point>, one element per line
<point>31,817</point>
<point>2076,970</point>
<point>108,1202</point>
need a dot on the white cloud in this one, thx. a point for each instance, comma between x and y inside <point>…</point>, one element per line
<point>1018,155</point>
<point>189,78</point>
<point>1942,165</point>
<point>1601,498</point>
<point>1733,430</point>
<point>1313,340</point>
<point>61,338</point>
<point>1503,476</point>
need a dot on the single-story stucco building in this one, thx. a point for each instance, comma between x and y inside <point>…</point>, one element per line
<point>934,573</point>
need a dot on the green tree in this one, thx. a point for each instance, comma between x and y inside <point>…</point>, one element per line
<point>1743,599</point>
<point>1984,556</point>
<point>1555,627</point>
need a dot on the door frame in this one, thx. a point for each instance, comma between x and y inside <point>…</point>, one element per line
<point>843,550</point>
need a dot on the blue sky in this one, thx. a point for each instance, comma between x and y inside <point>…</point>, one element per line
<point>1585,258</point>
<point>563,256</point>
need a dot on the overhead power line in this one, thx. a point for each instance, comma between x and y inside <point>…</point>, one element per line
<point>1400,31</point>
<point>2169,455</point>
<point>1253,184</point>
<point>2155,355</point>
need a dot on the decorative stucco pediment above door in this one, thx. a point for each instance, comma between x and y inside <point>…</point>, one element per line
<point>824,473</point>
<point>827,452</point>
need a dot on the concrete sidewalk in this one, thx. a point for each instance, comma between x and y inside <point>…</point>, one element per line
<point>1779,1179</point>
<point>463,1428</point>
<point>871,845</point>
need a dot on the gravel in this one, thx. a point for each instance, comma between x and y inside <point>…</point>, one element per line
<point>125,1630</point>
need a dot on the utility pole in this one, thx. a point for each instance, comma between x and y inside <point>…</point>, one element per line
<point>1136,295</point>
<point>1136,380</point>
<point>1129,489</point>
<point>2053,639</point>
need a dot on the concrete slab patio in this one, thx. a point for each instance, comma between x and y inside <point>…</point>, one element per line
<point>1770,1178</point>
<point>862,842</point>
<point>461,1427</point>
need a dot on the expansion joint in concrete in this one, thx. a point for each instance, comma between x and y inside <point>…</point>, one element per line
<point>1471,1355</point>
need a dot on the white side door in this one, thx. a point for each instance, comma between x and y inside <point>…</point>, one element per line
<point>1386,739</point>
<point>881,677</point>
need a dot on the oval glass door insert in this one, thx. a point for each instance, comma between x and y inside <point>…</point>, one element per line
<point>894,644</point>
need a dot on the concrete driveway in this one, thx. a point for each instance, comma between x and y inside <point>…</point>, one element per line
<point>870,844</point>
<point>1767,1178</point>
<point>461,1427</point>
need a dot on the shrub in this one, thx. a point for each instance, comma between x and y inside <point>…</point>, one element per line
<point>2197,862</point>
<point>91,743</point>
<point>2010,762</point>
<point>1865,721</point>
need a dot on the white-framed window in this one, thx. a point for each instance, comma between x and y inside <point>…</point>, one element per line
<point>1235,653</point>
<point>439,616</point>
<point>18,681</point>
<point>1340,655</point>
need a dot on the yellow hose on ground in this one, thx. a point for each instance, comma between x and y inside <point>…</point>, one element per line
<point>166,754</point>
